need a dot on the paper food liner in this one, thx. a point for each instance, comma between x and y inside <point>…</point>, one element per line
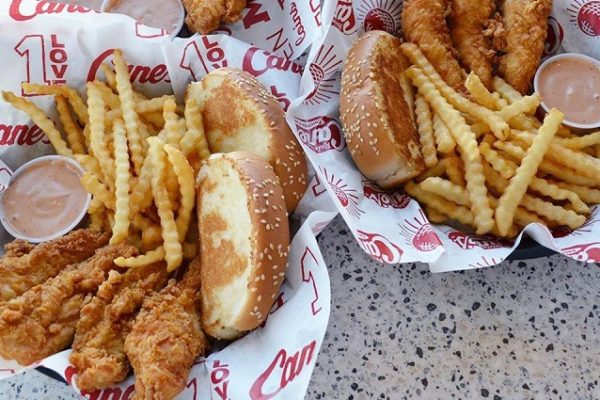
<point>390,226</point>
<point>55,43</point>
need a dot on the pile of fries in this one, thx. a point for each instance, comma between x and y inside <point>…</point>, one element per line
<point>491,164</point>
<point>140,155</point>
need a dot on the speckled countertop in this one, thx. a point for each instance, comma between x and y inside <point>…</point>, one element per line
<point>519,330</point>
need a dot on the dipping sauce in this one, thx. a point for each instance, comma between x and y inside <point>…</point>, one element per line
<point>44,199</point>
<point>573,86</point>
<point>163,14</point>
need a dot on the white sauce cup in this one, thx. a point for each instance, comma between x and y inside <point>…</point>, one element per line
<point>563,56</point>
<point>15,233</point>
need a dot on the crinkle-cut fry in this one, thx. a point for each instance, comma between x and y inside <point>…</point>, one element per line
<point>438,169</point>
<point>110,98</point>
<point>190,250</point>
<point>434,216</point>
<point>121,227</point>
<point>586,194</point>
<point>150,257</point>
<point>97,219</point>
<point>93,185</point>
<point>141,194</point>
<point>185,178</point>
<point>195,139</point>
<point>425,129</point>
<point>585,164</point>
<point>505,167</point>
<point>517,187</point>
<point>98,142</point>
<point>453,211</point>
<point>41,120</point>
<point>454,171</point>
<point>89,163</point>
<point>132,121</point>
<point>171,244</point>
<point>443,139</point>
<point>467,145</point>
<point>553,212</point>
<point>506,90</point>
<point>548,189</point>
<point>579,142</point>
<point>525,105</point>
<point>498,126</point>
<point>109,74</point>
<point>171,129</point>
<point>73,131</point>
<point>151,237</point>
<point>479,92</point>
<point>71,94</point>
<point>154,104</point>
<point>155,118</point>
<point>95,206</point>
<point>447,190</point>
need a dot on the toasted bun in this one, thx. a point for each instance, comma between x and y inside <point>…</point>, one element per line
<point>244,240</point>
<point>241,115</point>
<point>376,111</point>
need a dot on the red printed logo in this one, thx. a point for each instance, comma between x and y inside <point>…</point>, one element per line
<point>6,372</point>
<point>254,14</point>
<point>308,264</point>
<point>45,59</point>
<point>202,56</point>
<point>385,199</point>
<point>382,15</point>
<point>347,196</point>
<point>586,15</point>
<point>282,371</point>
<point>468,242</point>
<point>219,379</point>
<point>320,134</point>
<point>584,252</point>
<point>554,38</point>
<point>139,73</point>
<point>257,62</point>
<point>149,32</point>
<point>317,187</point>
<point>419,233</point>
<point>20,12</point>
<point>379,247</point>
<point>344,19</point>
<point>322,71</point>
<point>23,135</point>
<point>485,262</point>
<point>114,393</point>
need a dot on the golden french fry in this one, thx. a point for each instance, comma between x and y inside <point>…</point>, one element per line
<point>586,194</point>
<point>155,118</point>
<point>98,144</point>
<point>444,140</point>
<point>438,169</point>
<point>185,179</point>
<point>132,122</point>
<point>425,129</point>
<point>194,143</point>
<point>89,163</point>
<point>97,220</point>
<point>525,105</point>
<point>553,212</point>
<point>62,90</point>
<point>154,104</point>
<point>434,216</point>
<point>479,92</point>
<point>579,142</point>
<point>468,148</point>
<point>151,237</point>
<point>517,187</point>
<point>548,189</point>
<point>506,167</point>
<point>141,194</point>
<point>41,120</point>
<point>109,97</point>
<point>73,131</point>
<point>454,171</point>
<point>150,257</point>
<point>447,190</point>
<point>453,211</point>
<point>121,227</point>
<point>497,125</point>
<point>93,185</point>
<point>111,79</point>
<point>171,244</point>
<point>506,91</point>
<point>171,129</point>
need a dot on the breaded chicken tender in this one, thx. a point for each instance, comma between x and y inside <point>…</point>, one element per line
<point>526,26</point>
<point>204,16</point>
<point>424,23</point>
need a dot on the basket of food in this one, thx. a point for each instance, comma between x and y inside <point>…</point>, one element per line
<point>423,123</point>
<point>147,187</point>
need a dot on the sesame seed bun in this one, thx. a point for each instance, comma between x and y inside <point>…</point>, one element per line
<point>244,241</point>
<point>241,115</point>
<point>376,111</point>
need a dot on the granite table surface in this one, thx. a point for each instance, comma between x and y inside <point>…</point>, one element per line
<point>520,330</point>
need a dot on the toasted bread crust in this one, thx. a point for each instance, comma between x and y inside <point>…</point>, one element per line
<point>270,240</point>
<point>228,89</point>
<point>376,117</point>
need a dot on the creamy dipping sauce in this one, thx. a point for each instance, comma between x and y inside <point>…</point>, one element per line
<point>162,14</point>
<point>44,199</point>
<point>573,86</point>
